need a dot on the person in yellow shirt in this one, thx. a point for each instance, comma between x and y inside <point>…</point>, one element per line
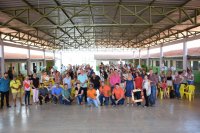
<point>15,86</point>
<point>91,96</point>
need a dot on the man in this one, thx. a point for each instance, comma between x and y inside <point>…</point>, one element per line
<point>95,79</point>
<point>4,89</point>
<point>66,98</point>
<point>35,88</point>
<point>57,94</point>
<point>117,95</point>
<point>91,93</point>
<point>153,80</point>
<point>83,80</point>
<point>15,86</point>
<point>43,94</point>
<point>105,92</point>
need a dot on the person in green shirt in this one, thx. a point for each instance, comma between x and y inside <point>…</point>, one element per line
<point>66,95</point>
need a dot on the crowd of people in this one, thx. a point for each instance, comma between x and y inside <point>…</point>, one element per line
<point>115,85</point>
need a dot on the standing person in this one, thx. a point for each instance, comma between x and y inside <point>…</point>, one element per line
<point>57,94</point>
<point>169,79</point>
<point>27,89</point>
<point>4,90</point>
<point>138,85</point>
<point>91,93</point>
<point>83,80</point>
<point>79,94</point>
<point>15,86</point>
<point>177,81</point>
<point>147,90</point>
<point>117,95</point>
<point>164,88</point>
<point>35,88</point>
<point>114,78</point>
<point>67,80</point>
<point>153,79</point>
<point>105,93</point>
<point>129,87</point>
<point>95,79</point>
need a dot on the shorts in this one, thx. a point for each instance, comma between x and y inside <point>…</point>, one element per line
<point>16,95</point>
<point>169,83</point>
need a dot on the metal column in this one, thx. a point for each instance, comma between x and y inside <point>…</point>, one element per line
<point>44,62</point>
<point>29,62</point>
<point>2,58</point>
<point>139,57</point>
<point>148,58</point>
<point>185,53</point>
<point>161,56</point>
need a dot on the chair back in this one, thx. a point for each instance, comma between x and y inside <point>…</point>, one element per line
<point>191,89</point>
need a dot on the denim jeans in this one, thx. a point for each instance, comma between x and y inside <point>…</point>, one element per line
<point>56,100</point>
<point>67,102</point>
<point>121,102</point>
<point>177,92</point>
<point>152,99</point>
<point>27,97</point>
<point>92,101</point>
<point>79,99</point>
<point>106,100</point>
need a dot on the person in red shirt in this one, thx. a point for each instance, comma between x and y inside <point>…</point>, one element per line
<point>138,81</point>
<point>105,92</point>
<point>138,85</point>
<point>117,95</point>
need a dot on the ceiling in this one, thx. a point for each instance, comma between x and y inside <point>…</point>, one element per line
<point>76,24</point>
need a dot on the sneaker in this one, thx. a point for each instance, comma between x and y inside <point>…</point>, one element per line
<point>8,106</point>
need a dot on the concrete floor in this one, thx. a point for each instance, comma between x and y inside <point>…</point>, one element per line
<point>169,116</point>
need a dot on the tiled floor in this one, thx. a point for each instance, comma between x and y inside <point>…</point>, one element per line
<point>169,116</point>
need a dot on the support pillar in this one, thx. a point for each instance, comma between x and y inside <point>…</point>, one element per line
<point>2,58</point>
<point>44,62</point>
<point>139,57</point>
<point>54,57</point>
<point>29,62</point>
<point>161,57</point>
<point>185,54</point>
<point>148,58</point>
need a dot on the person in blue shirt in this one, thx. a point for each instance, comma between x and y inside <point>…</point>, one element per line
<point>4,89</point>
<point>83,79</point>
<point>57,94</point>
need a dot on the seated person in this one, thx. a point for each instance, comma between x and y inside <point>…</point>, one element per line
<point>57,94</point>
<point>79,94</point>
<point>117,95</point>
<point>43,94</point>
<point>66,95</point>
<point>105,92</point>
<point>91,96</point>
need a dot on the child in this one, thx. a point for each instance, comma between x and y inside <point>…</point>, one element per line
<point>27,88</point>
<point>164,88</point>
<point>43,94</point>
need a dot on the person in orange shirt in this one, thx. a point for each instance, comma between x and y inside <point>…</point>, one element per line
<point>91,96</point>
<point>117,95</point>
<point>105,92</point>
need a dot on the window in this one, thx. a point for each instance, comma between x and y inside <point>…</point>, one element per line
<point>195,65</point>
<point>179,64</point>
<point>171,63</point>
<point>157,63</point>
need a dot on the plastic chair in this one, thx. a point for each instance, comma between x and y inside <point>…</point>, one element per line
<point>190,93</point>
<point>181,90</point>
<point>161,93</point>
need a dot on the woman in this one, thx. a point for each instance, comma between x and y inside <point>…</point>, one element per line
<point>146,89</point>
<point>129,87</point>
<point>177,81</point>
<point>79,94</point>
<point>169,79</point>
<point>190,78</point>
<point>27,89</point>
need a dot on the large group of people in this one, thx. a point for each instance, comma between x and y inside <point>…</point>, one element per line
<point>115,85</point>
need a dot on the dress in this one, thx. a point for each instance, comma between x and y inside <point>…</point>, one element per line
<point>129,88</point>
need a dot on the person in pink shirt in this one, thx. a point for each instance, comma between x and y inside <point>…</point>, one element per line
<point>27,88</point>
<point>114,78</point>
